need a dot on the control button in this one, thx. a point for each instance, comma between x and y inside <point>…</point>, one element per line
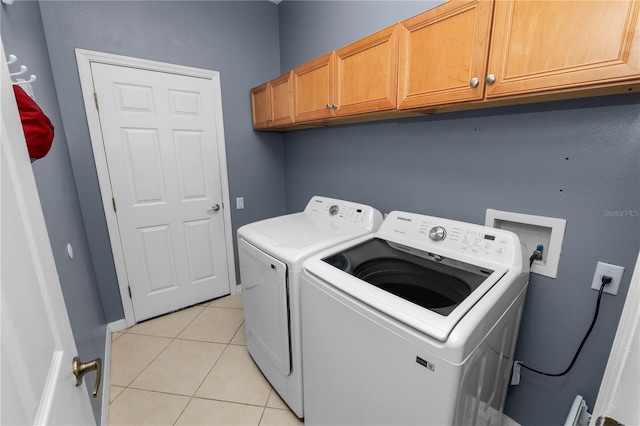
<point>437,233</point>
<point>334,209</point>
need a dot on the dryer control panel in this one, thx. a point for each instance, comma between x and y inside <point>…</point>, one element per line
<point>345,211</point>
<point>444,237</point>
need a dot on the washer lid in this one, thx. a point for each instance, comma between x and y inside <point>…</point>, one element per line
<point>484,258</point>
<point>430,294</point>
<point>293,237</point>
<point>323,223</point>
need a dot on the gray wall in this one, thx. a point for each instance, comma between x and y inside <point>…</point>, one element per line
<point>23,35</point>
<point>572,160</point>
<point>309,29</point>
<point>237,38</point>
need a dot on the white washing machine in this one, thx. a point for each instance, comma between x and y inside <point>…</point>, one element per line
<point>271,253</point>
<point>415,324</point>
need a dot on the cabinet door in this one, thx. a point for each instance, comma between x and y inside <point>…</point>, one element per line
<point>558,45</point>
<point>281,100</point>
<point>260,106</point>
<point>442,51</point>
<point>367,74</point>
<point>313,89</point>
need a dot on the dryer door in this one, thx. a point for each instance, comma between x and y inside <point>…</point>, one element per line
<point>266,307</point>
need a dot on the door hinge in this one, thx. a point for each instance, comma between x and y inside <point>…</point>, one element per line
<point>113,201</point>
<point>130,296</point>
<point>95,98</point>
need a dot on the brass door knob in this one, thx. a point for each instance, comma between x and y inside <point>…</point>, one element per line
<point>81,368</point>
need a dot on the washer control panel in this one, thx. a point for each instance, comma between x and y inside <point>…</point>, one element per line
<point>345,212</point>
<point>441,237</point>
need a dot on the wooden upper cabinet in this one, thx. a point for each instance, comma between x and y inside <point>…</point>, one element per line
<point>359,78</point>
<point>562,45</point>
<point>463,54</point>
<point>260,106</point>
<point>272,103</point>
<point>281,100</point>
<point>313,84</point>
<point>367,74</point>
<point>443,54</point>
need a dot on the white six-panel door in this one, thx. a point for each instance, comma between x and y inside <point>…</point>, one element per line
<point>37,384</point>
<point>160,140</point>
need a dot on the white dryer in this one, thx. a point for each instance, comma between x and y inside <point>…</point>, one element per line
<point>415,324</point>
<point>271,253</point>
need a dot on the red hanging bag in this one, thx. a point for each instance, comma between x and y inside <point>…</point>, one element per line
<point>38,130</point>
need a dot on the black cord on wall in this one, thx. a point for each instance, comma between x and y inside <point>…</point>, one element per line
<point>605,280</point>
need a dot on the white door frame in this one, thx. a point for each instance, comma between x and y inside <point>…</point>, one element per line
<point>618,394</point>
<point>84,59</point>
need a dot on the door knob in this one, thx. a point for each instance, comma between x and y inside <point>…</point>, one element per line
<point>81,368</point>
<point>214,208</point>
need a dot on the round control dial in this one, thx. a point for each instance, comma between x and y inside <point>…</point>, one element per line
<point>437,233</point>
<point>334,209</point>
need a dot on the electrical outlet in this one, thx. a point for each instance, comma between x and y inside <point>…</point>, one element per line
<point>610,270</point>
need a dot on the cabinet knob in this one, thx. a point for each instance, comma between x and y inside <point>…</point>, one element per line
<point>491,79</point>
<point>474,82</point>
<point>334,106</point>
<point>328,106</point>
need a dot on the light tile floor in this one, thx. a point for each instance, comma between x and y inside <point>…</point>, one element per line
<point>191,367</point>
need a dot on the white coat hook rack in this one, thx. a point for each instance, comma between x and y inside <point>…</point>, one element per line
<point>32,78</point>
<point>21,81</point>
<point>23,69</point>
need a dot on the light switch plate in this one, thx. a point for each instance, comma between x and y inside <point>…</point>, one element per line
<point>610,270</point>
<point>239,203</point>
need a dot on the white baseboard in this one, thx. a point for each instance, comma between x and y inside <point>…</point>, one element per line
<point>106,370</point>
<point>117,326</point>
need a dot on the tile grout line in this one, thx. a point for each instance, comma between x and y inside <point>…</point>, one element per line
<point>163,349</point>
<point>176,337</point>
